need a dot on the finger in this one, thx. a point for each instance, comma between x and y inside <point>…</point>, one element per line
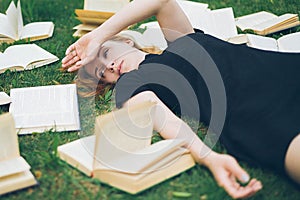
<point>67,58</point>
<point>68,61</point>
<point>74,68</point>
<point>238,171</point>
<point>71,62</point>
<point>255,186</point>
<point>70,48</point>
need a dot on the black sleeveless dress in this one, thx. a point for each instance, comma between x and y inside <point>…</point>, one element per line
<point>250,96</point>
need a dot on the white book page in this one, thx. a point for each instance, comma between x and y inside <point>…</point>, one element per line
<point>132,124</point>
<point>105,5</point>
<point>81,152</point>
<point>9,139</point>
<point>139,161</point>
<point>44,106</point>
<point>4,98</point>
<point>272,22</point>
<point>223,24</point>
<point>251,20</point>
<point>153,35</point>
<point>27,53</point>
<point>13,166</point>
<point>262,42</point>
<point>6,29</point>
<point>192,10</point>
<point>20,19</point>
<point>37,29</point>
<point>289,43</point>
<point>205,22</point>
<point>9,23</point>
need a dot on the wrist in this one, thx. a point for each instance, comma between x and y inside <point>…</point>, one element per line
<point>207,158</point>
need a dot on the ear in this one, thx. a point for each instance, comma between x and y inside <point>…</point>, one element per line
<point>130,42</point>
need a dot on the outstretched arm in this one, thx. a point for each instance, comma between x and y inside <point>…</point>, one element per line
<point>170,17</point>
<point>225,168</point>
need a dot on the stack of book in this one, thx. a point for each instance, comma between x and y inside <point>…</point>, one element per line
<point>94,13</point>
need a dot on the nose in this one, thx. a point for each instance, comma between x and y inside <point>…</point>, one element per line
<point>111,66</point>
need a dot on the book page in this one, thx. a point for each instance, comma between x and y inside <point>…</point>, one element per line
<point>251,20</point>
<point>289,43</point>
<point>123,131</point>
<point>276,21</point>
<point>153,35</point>
<point>9,22</point>
<point>93,14</point>
<point>92,21</point>
<point>37,29</point>
<point>85,27</point>
<point>9,146</point>
<point>262,42</point>
<point>13,166</point>
<point>27,53</point>
<point>105,5</point>
<point>51,106</point>
<point>223,24</point>
<point>139,161</point>
<point>4,98</point>
<point>79,153</point>
<point>20,19</point>
<point>192,10</point>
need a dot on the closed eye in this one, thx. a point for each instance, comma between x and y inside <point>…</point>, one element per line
<point>105,52</point>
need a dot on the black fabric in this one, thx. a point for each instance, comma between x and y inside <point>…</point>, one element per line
<point>262,93</point>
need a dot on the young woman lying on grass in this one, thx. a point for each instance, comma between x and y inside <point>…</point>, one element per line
<point>250,96</point>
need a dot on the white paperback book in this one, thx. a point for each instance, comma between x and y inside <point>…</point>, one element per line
<point>36,109</point>
<point>286,43</point>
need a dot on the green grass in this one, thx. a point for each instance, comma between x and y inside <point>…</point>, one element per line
<point>57,180</point>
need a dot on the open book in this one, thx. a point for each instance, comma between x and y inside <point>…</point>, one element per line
<point>12,27</point>
<point>264,23</point>
<point>94,13</point>
<point>286,43</point>
<point>24,57</point>
<point>36,109</point>
<point>14,170</point>
<point>120,152</point>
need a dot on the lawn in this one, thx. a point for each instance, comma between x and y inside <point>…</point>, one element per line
<point>57,180</point>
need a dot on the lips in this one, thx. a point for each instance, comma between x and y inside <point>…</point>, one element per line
<point>120,67</point>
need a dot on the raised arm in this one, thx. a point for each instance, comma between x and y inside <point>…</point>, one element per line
<point>225,168</point>
<point>170,17</point>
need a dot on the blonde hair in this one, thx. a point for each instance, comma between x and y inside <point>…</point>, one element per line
<point>91,86</point>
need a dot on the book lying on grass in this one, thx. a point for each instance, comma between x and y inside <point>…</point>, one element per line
<point>37,109</point>
<point>94,13</point>
<point>14,170</point>
<point>120,152</point>
<point>286,43</point>
<point>12,28</point>
<point>264,23</point>
<point>25,57</point>
<point>4,98</point>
